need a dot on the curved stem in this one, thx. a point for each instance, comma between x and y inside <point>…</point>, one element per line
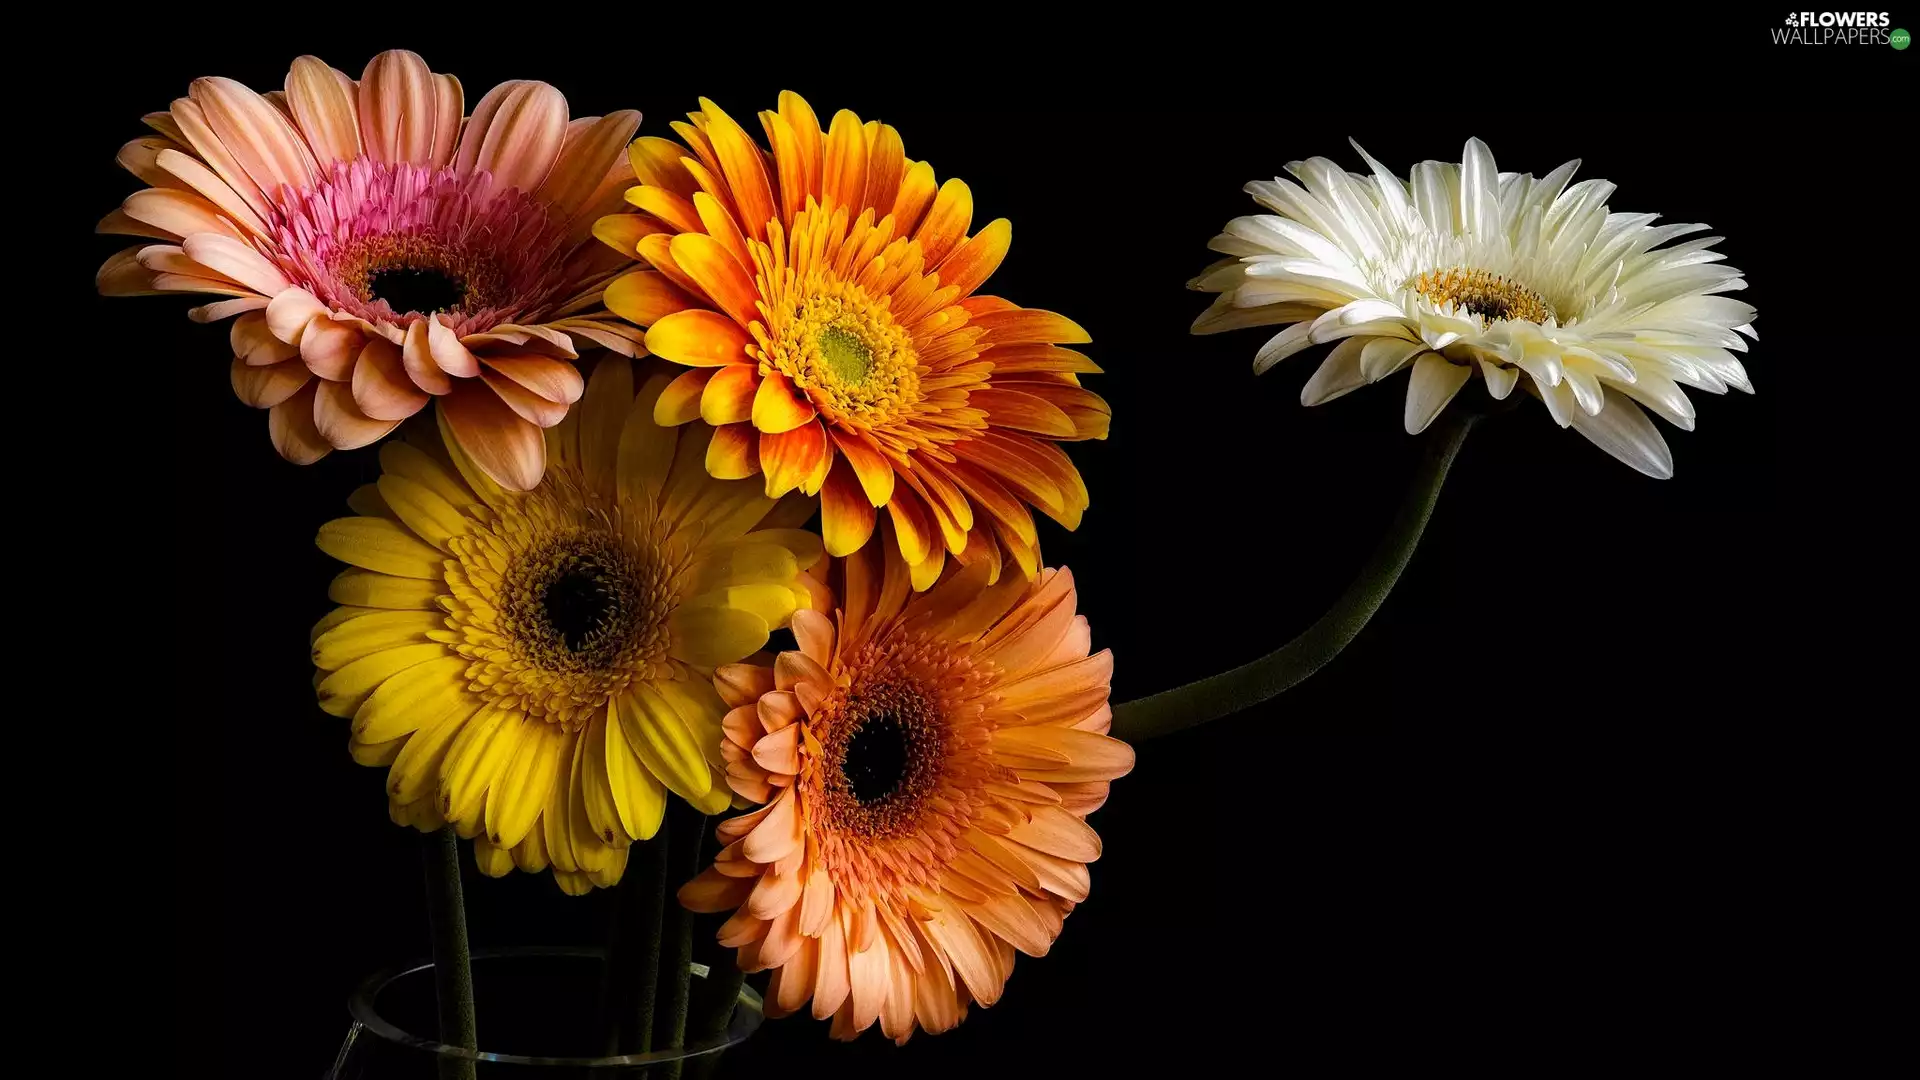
<point>1254,682</point>
<point>452,967</point>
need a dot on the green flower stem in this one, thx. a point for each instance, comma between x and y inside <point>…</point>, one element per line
<point>1254,682</point>
<point>718,994</point>
<point>633,969</point>
<point>452,966</point>
<point>689,826</point>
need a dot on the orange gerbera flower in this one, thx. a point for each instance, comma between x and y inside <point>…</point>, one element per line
<point>823,295</point>
<point>381,251</point>
<point>930,762</point>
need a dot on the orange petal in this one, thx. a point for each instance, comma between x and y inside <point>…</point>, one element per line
<point>916,194</point>
<point>398,108</point>
<point>290,426</point>
<point>728,398</point>
<point>591,147</point>
<point>846,517</point>
<point>380,385</point>
<point>679,401</point>
<point>732,453</point>
<point>796,459</point>
<point>946,222</point>
<point>508,449</point>
<point>260,137</point>
<point>913,526</point>
<point>1057,832</point>
<point>623,232</point>
<point>872,467</point>
<point>525,404</point>
<point>554,380</point>
<point>340,421</point>
<point>449,108</point>
<point>416,356</point>
<point>1029,325</point>
<point>745,168</point>
<point>676,210</point>
<point>843,170</point>
<point>1022,412</point>
<point>656,163</point>
<point>723,228</point>
<point>704,260</point>
<point>1009,359</point>
<point>264,386</point>
<point>699,338</point>
<point>970,264</point>
<point>644,297</point>
<point>779,406</point>
<point>330,348</point>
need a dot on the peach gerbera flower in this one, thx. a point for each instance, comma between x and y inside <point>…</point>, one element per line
<point>930,762</point>
<point>824,296</point>
<point>380,251</point>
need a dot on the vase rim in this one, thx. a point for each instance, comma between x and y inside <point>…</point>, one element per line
<point>366,1016</point>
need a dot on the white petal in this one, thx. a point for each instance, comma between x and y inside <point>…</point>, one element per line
<point>1353,314</point>
<point>1338,374</point>
<point>1282,345</point>
<point>1623,430</point>
<point>1500,379</point>
<point>1383,356</point>
<point>1435,381</point>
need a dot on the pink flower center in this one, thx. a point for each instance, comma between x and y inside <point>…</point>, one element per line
<point>393,243</point>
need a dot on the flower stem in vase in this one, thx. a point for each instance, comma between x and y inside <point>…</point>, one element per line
<point>634,966</point>
<point>688,826</point>
<point>452,966</point>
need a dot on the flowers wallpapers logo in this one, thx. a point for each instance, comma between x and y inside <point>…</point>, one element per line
<point>760,617</point>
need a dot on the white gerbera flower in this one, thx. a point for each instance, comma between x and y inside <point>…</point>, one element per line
<point>1468,270</point>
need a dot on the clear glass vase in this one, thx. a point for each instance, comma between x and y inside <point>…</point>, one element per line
<point>539,1012</point>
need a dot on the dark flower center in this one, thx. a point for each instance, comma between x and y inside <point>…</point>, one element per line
<point>421,289</point>
<point>875,763</point>
<point>578,602</point>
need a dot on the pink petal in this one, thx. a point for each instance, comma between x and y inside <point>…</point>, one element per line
<point>508,449</point>
<point>398,107</point>
<point>515,133</point>
<point>340,421</point>
<point>324,106</point>
<point>258,135</point>
<point>380,384</point>
<point>290,425</point>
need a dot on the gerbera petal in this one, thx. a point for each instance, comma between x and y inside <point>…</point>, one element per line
<point>846,516</point>
<point>323,104</point>
<point>516,133</point>
<point>779,406</point>
<point>508,449</point>
<point>698,338</point>
<point>1435,381</point>
<point>397,108</point>
<point>797,459</point>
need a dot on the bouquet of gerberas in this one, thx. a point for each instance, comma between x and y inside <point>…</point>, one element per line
<point>652,363</point>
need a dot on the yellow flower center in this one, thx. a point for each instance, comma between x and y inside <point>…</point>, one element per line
<point>843,348</point>
<point>1482,293</point>
<point>560,604</point>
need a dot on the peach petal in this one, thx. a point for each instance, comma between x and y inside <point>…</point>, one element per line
<point>381,387</point>
<point>507,448</point>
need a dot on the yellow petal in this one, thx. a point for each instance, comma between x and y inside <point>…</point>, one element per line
<point>638,797</point>
<point>337,617</point>
<point>355,638</point>
<point>646,447</point>
<point>746,561</point>
<point>422,510</point>
<point>493,861</point>
<point>420,694</point>
<point>662,741</point>
<point>485,745</point>
<point>711,636</point>
<point>416,772</point>
<point>603,413</point>
<point>342,692</point>
<point>379,544</point>
<point>365,588</point>
<point>515,800</point>
<point>699,338</point>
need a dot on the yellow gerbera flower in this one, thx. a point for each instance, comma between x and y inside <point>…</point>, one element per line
<point>536,668</point>
<point>823,294</point>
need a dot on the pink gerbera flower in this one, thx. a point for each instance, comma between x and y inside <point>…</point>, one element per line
<point>380,251</point>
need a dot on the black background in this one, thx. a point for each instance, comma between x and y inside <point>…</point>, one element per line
<point>1588,789</point>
